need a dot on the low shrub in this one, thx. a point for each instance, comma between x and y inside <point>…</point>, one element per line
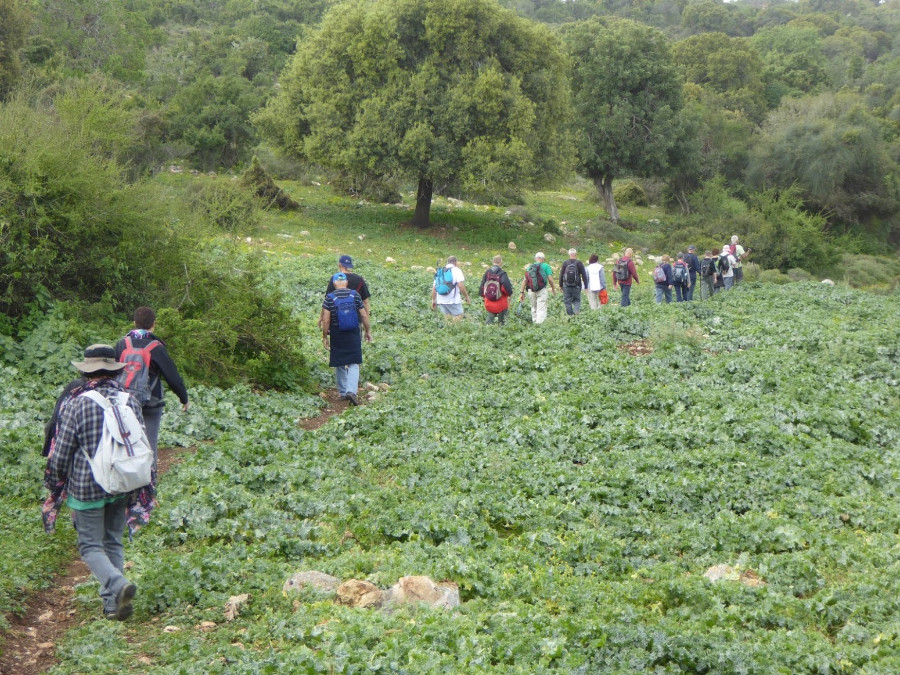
<point>866,271</point>
<point>631,193</point>
<point>799,274</point>
<point>774,277</point>
<point>223,205</point>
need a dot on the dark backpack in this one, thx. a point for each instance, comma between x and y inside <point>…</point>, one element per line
<point>707,267</point>
<point>493,286</point>
<point>346,311</point>
<point>135,376</point>
<point>534,277</point>
<point>443,281</point>
<point>571,276</point>
<point>680,273</point>
<point>724,265</point>
<point>620,270</point>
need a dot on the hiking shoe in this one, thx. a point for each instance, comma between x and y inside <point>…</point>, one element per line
<point>352,398</point>
<point>124,608</point>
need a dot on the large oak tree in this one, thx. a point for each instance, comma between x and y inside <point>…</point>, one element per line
<point>628,102</point>
<point>444,92</point>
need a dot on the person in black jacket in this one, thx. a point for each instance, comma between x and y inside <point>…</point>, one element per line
<point>162,367</point>
<point>572,278</point>
<point>693,263</point>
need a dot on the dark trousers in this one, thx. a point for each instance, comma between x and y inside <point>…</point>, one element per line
<point>681,292</point>
<point>689,293</point>
<point>572,299</point>
<point>626,294</point>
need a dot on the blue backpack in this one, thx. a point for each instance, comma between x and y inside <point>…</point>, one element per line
<point>345,308</point>
<point>443,281</point>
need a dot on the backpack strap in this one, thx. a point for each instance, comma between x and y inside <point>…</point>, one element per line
<point>99,399</point>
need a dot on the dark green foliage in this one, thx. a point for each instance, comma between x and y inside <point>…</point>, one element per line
<point>69,223</point>
<point>440,93</point>
<point>261,184</point>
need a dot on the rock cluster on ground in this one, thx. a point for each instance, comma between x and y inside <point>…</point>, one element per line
<point>363,594</point>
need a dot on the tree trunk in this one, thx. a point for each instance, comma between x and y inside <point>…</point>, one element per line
<point>604,187</point>
<point>682,199</point>
<point>422,215</point>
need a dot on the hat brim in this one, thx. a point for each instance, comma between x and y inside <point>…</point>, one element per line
<point>94,365</point>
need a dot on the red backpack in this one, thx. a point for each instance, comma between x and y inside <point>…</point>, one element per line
<point>135,376</point>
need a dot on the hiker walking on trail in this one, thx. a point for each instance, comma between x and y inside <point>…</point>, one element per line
<point>496,288</point>
<point>99,516</point>
<point>449,289</point>
<point>572,279</point>
<point>537,277</point>
<point>624,274</point>
<point>725,267</point>
<point>663,279</point>
<point>596,288</point>
<point>693,263</point>
<point>147,364</point>
<point>681,275</point>
<point>739,256</point>
<point>708,273</point>
<point>354,282</point>
<point>344,313</point>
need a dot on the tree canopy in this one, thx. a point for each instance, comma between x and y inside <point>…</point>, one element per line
<point>628,100</point>
<point>834,151</point>
<point>455,94</point>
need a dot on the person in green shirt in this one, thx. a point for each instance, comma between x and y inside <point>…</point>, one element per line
<point>537,278</point>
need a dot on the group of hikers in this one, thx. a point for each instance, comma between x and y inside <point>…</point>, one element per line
<point>116,405</point>
<point>101,449</point>
<point>718,269</point>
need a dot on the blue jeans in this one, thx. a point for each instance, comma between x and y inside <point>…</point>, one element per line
<point>663,291</point>
<point>455,309</point>
<point>348,379</point>
<point>572,299</point>
<point>626,294</point>
<point>689,292</point>
<point>681,292</point>
<point>100,546</point>
<point>729,283</point>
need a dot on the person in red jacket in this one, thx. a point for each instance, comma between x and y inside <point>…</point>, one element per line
<point>499,288</point>
<point>629,274</point>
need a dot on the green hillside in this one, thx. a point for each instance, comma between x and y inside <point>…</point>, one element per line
<point>576,493</point>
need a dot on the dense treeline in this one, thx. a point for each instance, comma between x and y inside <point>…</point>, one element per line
<point>779,118</point>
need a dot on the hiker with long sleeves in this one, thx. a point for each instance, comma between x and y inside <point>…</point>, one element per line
<point>99,516</point>
<point>159,365</point>
<point>624,274</point>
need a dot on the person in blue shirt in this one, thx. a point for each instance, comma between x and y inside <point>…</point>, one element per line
<point>664,287</point>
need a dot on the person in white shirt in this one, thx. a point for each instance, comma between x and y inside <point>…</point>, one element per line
<point>739,256</point>
<point>728,274</point>
<point>452,279</point>
<point>596,281</point>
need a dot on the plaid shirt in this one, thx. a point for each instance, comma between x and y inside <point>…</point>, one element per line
<point>80,426</point>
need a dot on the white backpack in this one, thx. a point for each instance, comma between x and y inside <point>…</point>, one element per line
<point>124,459</point>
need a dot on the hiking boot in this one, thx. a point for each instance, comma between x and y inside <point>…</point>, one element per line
<point>352,398</point>
<point>124,608</point>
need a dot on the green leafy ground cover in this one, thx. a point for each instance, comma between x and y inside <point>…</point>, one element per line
<point>574,492</point>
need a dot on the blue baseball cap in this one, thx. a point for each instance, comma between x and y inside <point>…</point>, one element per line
<point>340,276</point>
<point>346,261</point>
